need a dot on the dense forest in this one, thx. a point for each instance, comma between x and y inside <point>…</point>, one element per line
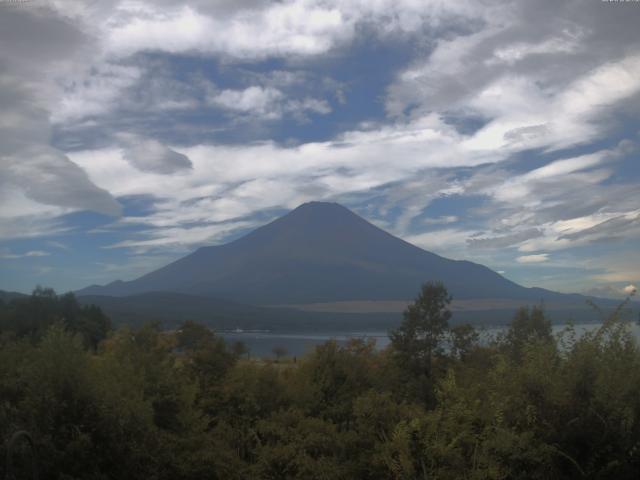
<point>105,403</point>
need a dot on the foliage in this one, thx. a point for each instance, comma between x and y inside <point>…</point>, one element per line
<point>420,335</point>
<point>529,325</point>
<point>151,404</point>
<point>32,316</point>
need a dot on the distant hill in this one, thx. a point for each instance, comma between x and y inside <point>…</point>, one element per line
<point>171,309</point>
<point>322,252</point>
<point>8,296</point>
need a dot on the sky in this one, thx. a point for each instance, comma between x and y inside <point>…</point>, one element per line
<point>505,133</point>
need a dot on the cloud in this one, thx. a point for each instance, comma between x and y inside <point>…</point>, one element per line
<point>254,99</point>
<point>621,274</point>
<point>612,228</point>
<point>30,253</point>
<point>266,102</point>
<point>538,79</point>
<point>164,238</point>
<point>516,52</point>
<point>504,240</point>
<point>228,181</point>
<point>59,245</point>
<point>49,177</point>
<point>289,28</point>
<point>529,117</point>
<point>94,91</point>
<point>620,266</point>
<point>30,226</point>
<point>440,220</point>
<point>258,30</point>
<point>611,291</point>
<point>562,202</point>
<point>537,258</point>
<point>535,208</point>
<point>604,291</point>
<point>448,239</point>
<point>38,181</point>
<point>149,155</point>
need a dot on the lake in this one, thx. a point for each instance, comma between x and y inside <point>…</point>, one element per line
<point>261,344</point>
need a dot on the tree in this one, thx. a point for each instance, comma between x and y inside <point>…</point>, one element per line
<point>31,317</point>
<point>279,351</point>
<point>425,323</point>
<point>463,339</point>
<point>527,326</point>
<point>193,336</point>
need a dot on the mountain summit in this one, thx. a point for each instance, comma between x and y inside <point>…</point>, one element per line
<point>319,252</point>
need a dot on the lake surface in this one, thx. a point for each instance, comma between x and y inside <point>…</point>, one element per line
<point>261,344</point>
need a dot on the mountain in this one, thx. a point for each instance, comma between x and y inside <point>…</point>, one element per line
<point>321,252</point>
<point>6,297</point>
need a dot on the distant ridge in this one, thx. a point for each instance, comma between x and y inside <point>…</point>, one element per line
<point>8,296</point>
<point>322,252</point>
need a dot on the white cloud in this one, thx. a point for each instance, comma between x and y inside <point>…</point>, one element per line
<point>611,291</point>
<point>566,203</point>
<point>287,28</point>
<point>181,236</point>
<point>522,186</point>
<point>518,51</point>
<point>620,274</point>
<point>270,176</point>
<point>96,90</point>
<point>448,239</point>
<point>442,219</point>
<point>537,258</point>
<point>30,253</point>
<point>525,116</point>
<point>59,245</point>
<point>253,99</point>
<point>149,155</point>
<point>49,177</point>
<point>30,226</point>
<point>265,102</point>
<point>264,29</point>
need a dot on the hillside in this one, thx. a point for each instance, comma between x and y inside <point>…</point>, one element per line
<point>8,296</point>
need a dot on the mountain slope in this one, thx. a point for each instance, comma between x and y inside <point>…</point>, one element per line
<point>320,252</point>
<point>6,297</point>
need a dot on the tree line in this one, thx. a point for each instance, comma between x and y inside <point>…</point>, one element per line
<point>129,403</point>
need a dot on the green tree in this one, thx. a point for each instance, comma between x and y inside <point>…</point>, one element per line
<point>463,338</point>
<point>192,336</point>
<point>528,326</point>
<point>425,323</point>
<point>279,351</point>
<point>31,317</point>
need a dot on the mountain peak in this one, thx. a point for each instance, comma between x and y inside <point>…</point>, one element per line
<point>319,204</point>
<point>313,218</point>
<point>320,207</point>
